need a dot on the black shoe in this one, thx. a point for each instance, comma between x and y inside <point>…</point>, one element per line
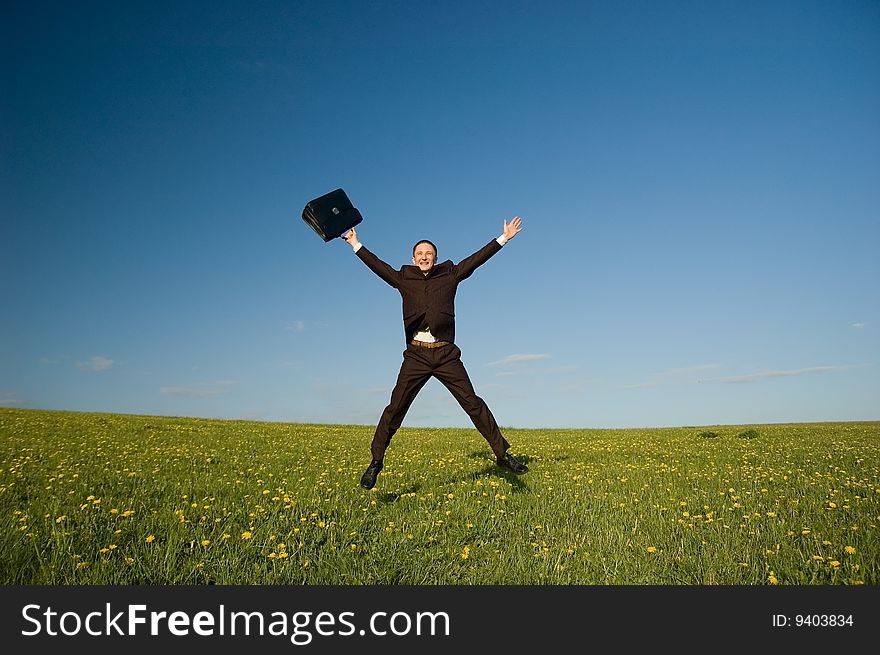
<point>368,479</point>
<point>512,463</point>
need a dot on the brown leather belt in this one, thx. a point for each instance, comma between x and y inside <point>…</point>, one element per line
<point>426,344</point>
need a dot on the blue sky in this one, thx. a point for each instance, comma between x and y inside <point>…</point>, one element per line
<point>699,184</point>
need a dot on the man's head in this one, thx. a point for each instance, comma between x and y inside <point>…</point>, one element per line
<point>424,255</point>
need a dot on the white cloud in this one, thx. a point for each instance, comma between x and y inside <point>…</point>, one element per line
<point>764,375</point>
<point>189,392</point>
<point>295,326</point>
<point>517,359</point>
<point>10,399</point>
<point>206,390</point>
<point>564,368</point>
<point>684,375</point>
<point>376,391</point>
<point>508,374</point>
<point>858,326</point>
<point>98,363</point>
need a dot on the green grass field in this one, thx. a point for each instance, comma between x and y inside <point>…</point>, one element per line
<point>118,499</point>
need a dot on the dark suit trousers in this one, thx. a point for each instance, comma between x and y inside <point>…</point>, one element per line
<point>443,363</point>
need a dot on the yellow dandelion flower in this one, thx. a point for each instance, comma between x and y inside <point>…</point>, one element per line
<point>818,558</point>
<point>151,539</point>
<point>773,579</point>
<point>850,550</point>
<point>835,563</point>
<point>771,515</point>
<point>226,535</point>
<point>206,542</point>
<point>61,518</point>
<point>354,546</point>
<point>114,511</point>
<point>806,531</point>
<point>272,555</point>
<point>282,555</point>
<point>652,549</point>
<point>466,552</point>
<point>246,535</point>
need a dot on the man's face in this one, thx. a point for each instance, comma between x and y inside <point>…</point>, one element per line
<point>424,257</point>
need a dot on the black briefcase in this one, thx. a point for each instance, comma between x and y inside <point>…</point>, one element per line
<point>331,215</point>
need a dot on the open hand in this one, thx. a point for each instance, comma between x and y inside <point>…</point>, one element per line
<point>513,228</point>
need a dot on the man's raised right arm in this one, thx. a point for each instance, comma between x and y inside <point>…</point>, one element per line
<point>375,264</point>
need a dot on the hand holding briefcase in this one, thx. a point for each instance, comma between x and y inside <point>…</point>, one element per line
<point>331,215</point>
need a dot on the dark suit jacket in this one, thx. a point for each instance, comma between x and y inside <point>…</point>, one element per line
<point>429,298</point>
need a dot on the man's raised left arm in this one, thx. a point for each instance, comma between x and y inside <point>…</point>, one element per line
<point>467,266</point>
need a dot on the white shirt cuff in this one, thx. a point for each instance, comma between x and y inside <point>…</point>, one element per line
<point>357,246</point>
<point>502,240</point>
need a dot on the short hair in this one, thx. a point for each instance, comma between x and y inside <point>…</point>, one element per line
<point>415,245</point>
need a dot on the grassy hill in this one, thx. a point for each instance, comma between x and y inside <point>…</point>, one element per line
<point>120,499</point>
